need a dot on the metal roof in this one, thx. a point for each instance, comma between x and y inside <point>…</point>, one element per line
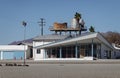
<point>27,41</point>
<point>50,37</point>
<point>84,38</point>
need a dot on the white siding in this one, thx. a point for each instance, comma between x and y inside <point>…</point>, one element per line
<point>13,47</point>
<point>103,51</point>
<point>117,53</point>
<point>42,53</point>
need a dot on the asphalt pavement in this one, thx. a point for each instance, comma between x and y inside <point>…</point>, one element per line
<point>61,70</point>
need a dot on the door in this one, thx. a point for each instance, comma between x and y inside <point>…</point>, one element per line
<point>82,53</point>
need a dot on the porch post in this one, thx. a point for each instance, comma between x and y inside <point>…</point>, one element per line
<point>60,52</point>
<point>51,53</point>
<point>44,54</point>
<point>1,54</point>
<point>92,48</point>
<point>79,50</point>
<point>76,50</point>
<point>25,54</point>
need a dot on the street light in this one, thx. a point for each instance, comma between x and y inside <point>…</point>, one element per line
<point>24,24</point>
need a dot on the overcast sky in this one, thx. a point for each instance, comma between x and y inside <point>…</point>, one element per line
<point>104,15</point>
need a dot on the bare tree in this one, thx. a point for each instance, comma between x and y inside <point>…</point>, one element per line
<point>112,37</point>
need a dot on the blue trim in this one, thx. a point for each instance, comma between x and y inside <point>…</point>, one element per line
<point>43,54</point>
<point>92,48</point>
<point>76,50</point>
<point>60,52</point>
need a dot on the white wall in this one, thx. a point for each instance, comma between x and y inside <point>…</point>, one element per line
<point>117,53</point>
<point>42,53</point>
<point>102,51</point>
<point>12,48</point>
<point>104,48</point>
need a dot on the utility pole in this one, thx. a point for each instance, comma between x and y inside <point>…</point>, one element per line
<point>41,23</point>
<point>24,24</point>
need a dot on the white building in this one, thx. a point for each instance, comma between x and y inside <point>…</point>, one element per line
<point>83,47</point>
<point>86,46</point>
<point>39,54</point>
<point>12,48</point>
<point>117,51</point>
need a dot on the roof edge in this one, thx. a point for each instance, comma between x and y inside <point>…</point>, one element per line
<point>90,36</point>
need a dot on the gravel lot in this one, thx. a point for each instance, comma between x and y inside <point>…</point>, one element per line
<point>61,71</point>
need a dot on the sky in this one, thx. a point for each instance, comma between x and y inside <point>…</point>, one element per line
<point>103,15</point>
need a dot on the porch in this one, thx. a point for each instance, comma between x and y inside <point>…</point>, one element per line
<point>78,51</point>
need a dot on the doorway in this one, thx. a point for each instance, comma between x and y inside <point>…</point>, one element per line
<point>82,53</point>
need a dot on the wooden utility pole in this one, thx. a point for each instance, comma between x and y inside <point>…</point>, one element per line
<point>41,23</point>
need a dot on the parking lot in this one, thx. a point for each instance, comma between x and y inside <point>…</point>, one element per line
<point>61,71</point>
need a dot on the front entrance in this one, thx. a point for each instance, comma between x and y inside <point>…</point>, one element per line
<point>83,50</point>
<point>82,53</point>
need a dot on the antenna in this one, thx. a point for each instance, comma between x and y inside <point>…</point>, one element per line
<point>41,23</point>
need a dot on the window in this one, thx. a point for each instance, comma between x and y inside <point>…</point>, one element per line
<point>105,53</point>
<point>38,51</point>
<point>114,53</point>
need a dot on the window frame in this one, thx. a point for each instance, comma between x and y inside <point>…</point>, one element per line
<point>38,51</point>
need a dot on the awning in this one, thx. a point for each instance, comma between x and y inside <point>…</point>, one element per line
<point>13,47</point>
<point>96,37</point>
